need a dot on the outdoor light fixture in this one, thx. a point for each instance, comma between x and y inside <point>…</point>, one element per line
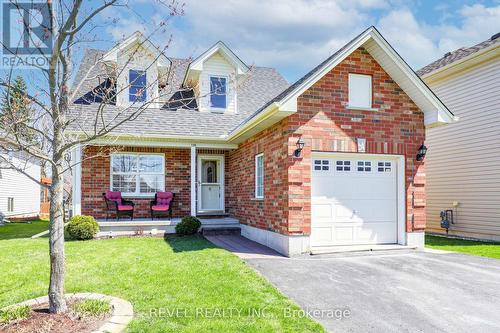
<point>300,145</point>
<point>421,152</point>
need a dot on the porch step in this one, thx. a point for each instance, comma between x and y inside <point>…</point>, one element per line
<point>220,230</point>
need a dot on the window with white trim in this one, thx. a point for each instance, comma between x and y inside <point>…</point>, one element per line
<point>384,167</point>
<point>259,176</point>
<point>365,166</point>
<point>137,88</point>
<point>343,165</point>
<point>360,91</point>
<point>137,174</point>
<point>218,92</point>
<point>321,165</point>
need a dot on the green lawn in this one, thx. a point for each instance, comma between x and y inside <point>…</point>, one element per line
<point>23,229</point>
<point>184,274</point>
<point>477,248</point>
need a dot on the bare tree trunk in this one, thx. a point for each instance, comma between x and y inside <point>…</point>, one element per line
<point>57,303</point>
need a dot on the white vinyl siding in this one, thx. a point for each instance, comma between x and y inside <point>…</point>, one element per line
<point>23,192</point>
<point>259,176</point>
<point>360,91</point>
<point>217,66</point>
<point>463,160</point>
<point>137,174</point>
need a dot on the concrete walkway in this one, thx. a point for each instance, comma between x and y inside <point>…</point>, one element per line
<point>243,247</point>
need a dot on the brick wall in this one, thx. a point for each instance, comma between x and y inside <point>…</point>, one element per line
<point>96,178</point>
<point>272,212</point>
<point>326,124</point>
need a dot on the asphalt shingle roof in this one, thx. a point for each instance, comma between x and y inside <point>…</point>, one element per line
<point>456,55</point>
<point>261,85</point>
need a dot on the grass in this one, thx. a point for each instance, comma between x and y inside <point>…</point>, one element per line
<point>477,248</point>
<point>181,284</point>
<point>15,313</point>
<point>92,308</point>
<point>22,229</point>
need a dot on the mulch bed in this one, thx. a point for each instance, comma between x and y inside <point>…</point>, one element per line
<point>41,321</point>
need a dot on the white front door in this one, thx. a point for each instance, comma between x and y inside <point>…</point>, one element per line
<point>354,200</point>
<point>210,183</point>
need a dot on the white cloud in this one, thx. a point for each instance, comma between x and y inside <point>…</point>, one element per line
<point>295,35</point>
<point>421,43</point>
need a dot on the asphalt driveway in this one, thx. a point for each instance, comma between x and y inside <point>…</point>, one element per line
<point>391,292</point>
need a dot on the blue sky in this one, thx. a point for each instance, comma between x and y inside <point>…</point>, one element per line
<point>294,35</point>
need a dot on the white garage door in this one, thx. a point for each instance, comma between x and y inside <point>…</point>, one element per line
<point>354,200</point>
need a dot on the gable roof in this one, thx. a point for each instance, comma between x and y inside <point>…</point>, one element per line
<point>136,38</point>
<point>259,86</point>
<point>197,64</point>
<point>435,112</point>
<point>264,99</point>
<point>459,55</point>
<point>225,51</point>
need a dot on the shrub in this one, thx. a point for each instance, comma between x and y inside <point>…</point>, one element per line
<point>189,225</point>
<point>92,308</point>
<point>15,313</point>
<point>82,227</point>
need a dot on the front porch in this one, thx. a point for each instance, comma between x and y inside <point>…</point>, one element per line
<point>196,174</point>
<point>146,226</point>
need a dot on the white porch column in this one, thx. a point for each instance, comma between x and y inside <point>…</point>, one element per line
<point>76,180</point>
<point>193,180</point>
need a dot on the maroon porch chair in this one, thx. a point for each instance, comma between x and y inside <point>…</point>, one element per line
<point>162,204</point>
<point>115,204</point>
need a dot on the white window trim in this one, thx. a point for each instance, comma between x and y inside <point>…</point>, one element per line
<point>215,109</point>
<point>256,178</point>
<point>353,107</point>
<point>137,181</point>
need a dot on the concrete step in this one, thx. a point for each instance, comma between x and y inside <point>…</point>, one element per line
<point>220,230</point>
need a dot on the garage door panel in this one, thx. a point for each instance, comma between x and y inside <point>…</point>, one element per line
<point>378,232</point>
<point>354,207</point>
<point>323,236</point>
<point>322,210</point>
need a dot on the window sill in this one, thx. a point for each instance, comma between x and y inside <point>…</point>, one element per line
<point>360,108</point>
<point>257,199</point>
<point>217,110</point>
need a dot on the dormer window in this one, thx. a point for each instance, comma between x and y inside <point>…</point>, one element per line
<point>218,91</point>
<point>137,89</point>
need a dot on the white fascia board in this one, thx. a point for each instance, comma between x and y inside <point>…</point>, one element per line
<point>289,102</point>
<point>443,113</point>
<point>268,112</point>
<point>156,141</point>
<point>197,64</point>
<point>463,64</point>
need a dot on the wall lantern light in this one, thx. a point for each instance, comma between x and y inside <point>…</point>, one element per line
<point>421,152</point>
<point>300,145</point>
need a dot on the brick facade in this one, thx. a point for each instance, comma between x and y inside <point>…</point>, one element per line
<point>326,124</point>
<point>96,179</point>
<point>271,213</point>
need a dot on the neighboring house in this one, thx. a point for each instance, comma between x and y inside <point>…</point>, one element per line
<point>231,146</point>
<point>463,165</point>
<point>19,195</point>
